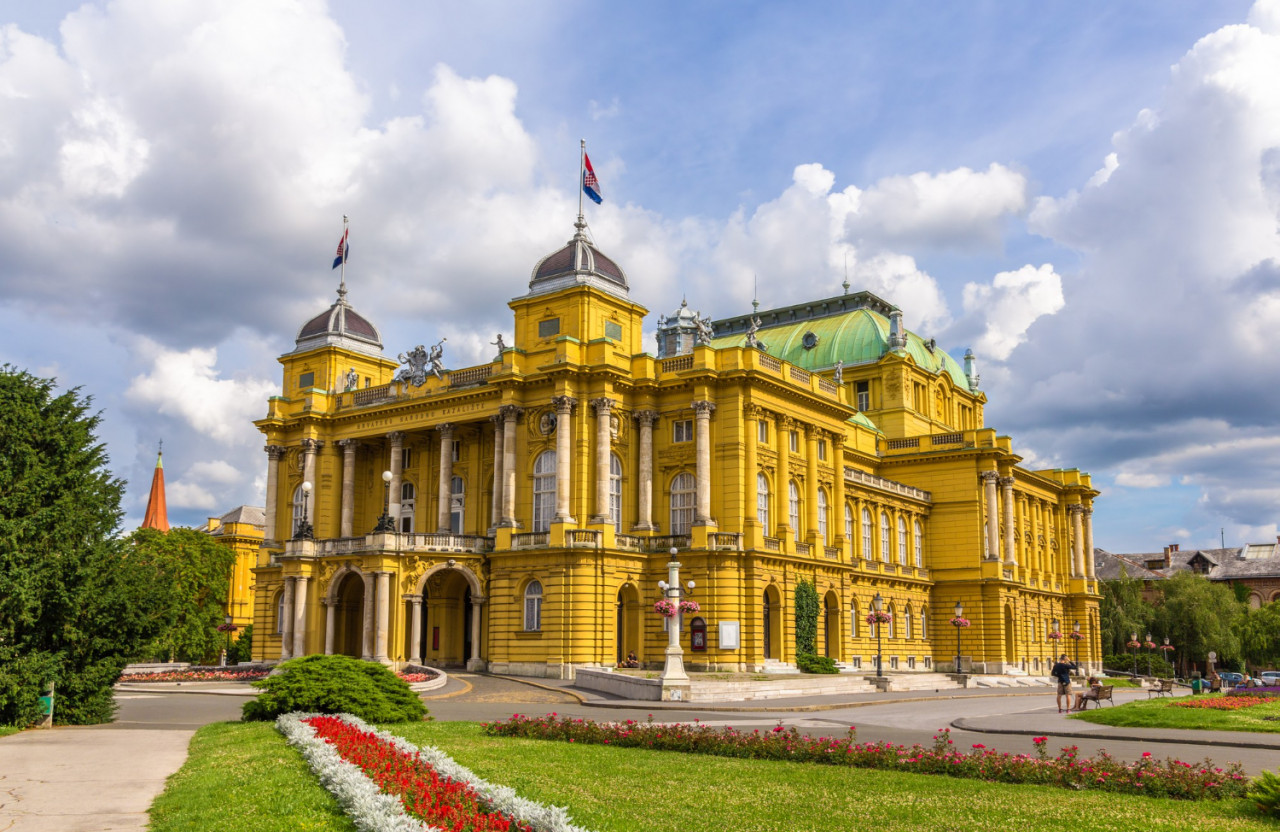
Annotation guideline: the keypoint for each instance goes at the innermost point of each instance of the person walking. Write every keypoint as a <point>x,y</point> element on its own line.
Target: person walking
<point>1061,673</point>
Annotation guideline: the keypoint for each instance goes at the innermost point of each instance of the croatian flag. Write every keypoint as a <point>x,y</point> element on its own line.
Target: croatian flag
<point>590,185</point>
<point>343,250</point>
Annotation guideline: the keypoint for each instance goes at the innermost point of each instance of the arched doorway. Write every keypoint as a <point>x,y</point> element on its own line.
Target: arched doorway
<point>772,621</point>
<point>627,625</point>
<point>446,619</point>
<point>348,623</point>
<point>1010,637</point>
<point>831,626</point>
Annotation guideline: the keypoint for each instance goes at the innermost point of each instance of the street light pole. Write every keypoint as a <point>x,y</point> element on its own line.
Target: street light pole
<point>673,668</point>
<point>303,531</point>
<point>878,602</point>
<point>959,614</point>
<point>1076,631</point>
<point>1133,639</point>
<point>385,524</point>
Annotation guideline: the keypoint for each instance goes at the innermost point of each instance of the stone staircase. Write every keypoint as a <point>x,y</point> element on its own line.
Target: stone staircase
<point>917,681</point>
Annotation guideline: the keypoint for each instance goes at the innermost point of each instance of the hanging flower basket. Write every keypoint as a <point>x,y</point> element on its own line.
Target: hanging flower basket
<point>690,607</point>
<point>665,608</point>
<point>959,622</point>
<point>1055,636</point>
<point>879,617</point>
<point>1150,645</point>
<point>1166,647</point>
<point>1075,636</point>
<point>1135,644</point>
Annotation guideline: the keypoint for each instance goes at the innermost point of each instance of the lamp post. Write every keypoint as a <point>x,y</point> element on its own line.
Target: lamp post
<point>1075,636</point>
<point>959,616</point>
<point>385,524</point>
<point>303,531</point>
<point>227,627</point>
<point>1133,642</point>
<point>1167,649</point>
<point>673,668</point>
<point>878,603</point>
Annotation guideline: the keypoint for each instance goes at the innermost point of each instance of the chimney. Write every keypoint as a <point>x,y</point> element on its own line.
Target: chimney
<point>1168,561</point>
<point>1174,546</point>
<point>897,335</point>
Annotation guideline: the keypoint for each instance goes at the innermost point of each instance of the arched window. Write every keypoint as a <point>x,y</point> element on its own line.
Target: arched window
<point>299,511</point>
<point>888,625</point>
<point>615,492</point>
<point>793,503</point>
<point>457,504</point>
<point>824,516</point>
<point>533,607</point>
<point>848,523</point>
<point>280,614</point>
<point>924,624</point>
<point>918,549</point>
<point>762,502</point>
<point>407,494</point>
<point>906,623</point>
<point>683,489</point>
<point>866,534</point>
<point>902,541</point>
<point>886,553</point>
<point>544,491</point>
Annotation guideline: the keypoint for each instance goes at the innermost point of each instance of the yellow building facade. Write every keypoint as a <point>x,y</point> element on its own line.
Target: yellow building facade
<point>518,515</point>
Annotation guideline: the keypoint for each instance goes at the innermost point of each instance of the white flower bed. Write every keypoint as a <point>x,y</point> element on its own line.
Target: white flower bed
<point>374,811</point>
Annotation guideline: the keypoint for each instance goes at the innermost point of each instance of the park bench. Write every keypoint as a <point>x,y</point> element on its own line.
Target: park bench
<point>1215,686</point>
<point>1162,687</point>
<point>1104,693</point>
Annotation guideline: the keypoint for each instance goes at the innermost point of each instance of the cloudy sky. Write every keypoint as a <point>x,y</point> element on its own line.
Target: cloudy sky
<point>1084,193</point>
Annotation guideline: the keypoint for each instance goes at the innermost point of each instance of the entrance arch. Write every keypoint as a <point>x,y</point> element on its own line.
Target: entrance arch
<point>347,603</point>
<point>772,623</point>
<point>1010,637</point>
<point>831,626</point>
<point>451,623</point>
<point>627,624</point>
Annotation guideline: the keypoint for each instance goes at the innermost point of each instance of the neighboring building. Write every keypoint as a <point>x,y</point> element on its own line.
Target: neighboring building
<point>157,514</point>
<point>1254,565</point>
<point>825,442</point>
<point>242,530</point>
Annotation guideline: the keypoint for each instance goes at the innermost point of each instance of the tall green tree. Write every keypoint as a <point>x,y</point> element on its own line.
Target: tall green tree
<point>806,600</point>
<point>194,574</point>
<point>1259,634</point>
<point>1122,610</point>
<point>73,610</point>
<point>1199,616</point>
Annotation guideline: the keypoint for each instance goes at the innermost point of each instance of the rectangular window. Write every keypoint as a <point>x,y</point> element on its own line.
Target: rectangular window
<point>457,449</point>
<point>794,441</point>
<point>822,449</point>
<point>368,381</point>
<point>549,327</point>
<point>613,330</point>
<point>864,396</point>
<point>307,380</point>
<point>762,431</point>
<point>406,457</point>
<point>682,430</point>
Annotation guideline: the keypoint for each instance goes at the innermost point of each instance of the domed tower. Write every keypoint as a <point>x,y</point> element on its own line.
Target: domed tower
<point>337,351</point>
<point>678,332</point>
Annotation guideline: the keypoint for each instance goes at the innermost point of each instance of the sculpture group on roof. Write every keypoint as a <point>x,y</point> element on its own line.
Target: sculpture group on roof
<point>422,363</point>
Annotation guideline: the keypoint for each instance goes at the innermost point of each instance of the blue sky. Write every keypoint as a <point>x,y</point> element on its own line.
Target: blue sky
<point>1085,193</point>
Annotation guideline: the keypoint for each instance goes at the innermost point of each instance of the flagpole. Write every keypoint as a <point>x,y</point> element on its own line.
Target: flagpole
<point>582,174</point>
<point>342,275</point>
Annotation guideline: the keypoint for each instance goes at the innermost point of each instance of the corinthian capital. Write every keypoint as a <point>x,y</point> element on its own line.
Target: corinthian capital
<point>603,405</point>
<point>564,404</point>
<point>704,409</point>
<point>646,418</point>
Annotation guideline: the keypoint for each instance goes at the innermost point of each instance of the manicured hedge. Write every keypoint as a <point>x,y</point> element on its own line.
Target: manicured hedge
<point>335,684</point>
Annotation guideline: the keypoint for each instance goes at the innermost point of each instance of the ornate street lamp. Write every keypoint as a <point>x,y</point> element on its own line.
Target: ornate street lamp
<point>958,621</point>
<point>227,627</point>
<point>1075,636</point>
<point>1167,649</point>
<point>673,668</point>
<point>303,531</point>
<point>1135,644</point>
<point>878,602</point>
<point>385,524</point>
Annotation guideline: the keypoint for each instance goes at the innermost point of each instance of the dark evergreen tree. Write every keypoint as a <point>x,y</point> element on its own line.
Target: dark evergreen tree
<point>806,618</point>
<point>194,571</point>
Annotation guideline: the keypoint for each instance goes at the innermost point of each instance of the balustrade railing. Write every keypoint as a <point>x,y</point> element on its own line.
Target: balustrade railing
<point>675,365</point>
<point>832,552</point>
<point>772,544</point>
<point>804,548</point>
<point>438,542</point>
<point>855,475</point>
<point>663,543</point>
<point>827,386</point>
<point>373,395</point>
<point>471,375</point>
<point>731,541</point>
<point>529,540</point>
<point>582,538</point>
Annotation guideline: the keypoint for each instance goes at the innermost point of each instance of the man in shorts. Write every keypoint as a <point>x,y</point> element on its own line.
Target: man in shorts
<point>1061,673</point>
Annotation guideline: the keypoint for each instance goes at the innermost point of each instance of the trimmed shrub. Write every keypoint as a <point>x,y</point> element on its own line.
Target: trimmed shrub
<point>809,663</point>
<point>332,685</point>
<point>806,599</point>
<point>1148,664</point>
<point>1265,793</point>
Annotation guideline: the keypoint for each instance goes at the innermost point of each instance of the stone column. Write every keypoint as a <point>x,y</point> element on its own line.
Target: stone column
<point>1077,539</point>
<point>751,467</point>
<point>564,456</point>
<point>782,526</point>
<point>310,447</point>
<point>811,437</point>
<point>993,513</point>
<point>510,413</point>
<point>274,452</point>
<point>366,631</point>
<point>604,445</point>
<point>474,660</point>
<point>347,522</point>
<point>837,511</point>
<point>1088,544</point>
<point>396,441</point>
<point>286,628</point>
<point>702,411</point>
<point>495,511</point>
<point>644,508</point>
<point>1035,510</point>
<point>415,629</point>
<point>384,613</point>
<point>330,613</point>
<point>300,615</point>
<point>446,477</point>
<point>1006,503</point>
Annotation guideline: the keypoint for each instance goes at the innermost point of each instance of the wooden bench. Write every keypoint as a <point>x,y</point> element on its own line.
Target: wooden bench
<point>1104,694</point>
<point>1163,687</point>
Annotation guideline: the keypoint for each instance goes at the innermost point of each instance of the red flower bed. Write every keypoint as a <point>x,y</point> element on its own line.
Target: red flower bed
<point>1172,778</point>
<point>425,794</point>
<point>1223,703</point>
<point>413,678</point>
<point>196,676</point>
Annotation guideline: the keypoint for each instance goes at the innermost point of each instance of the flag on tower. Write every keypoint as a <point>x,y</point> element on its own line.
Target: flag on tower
<point>590,185</point>
<point>344,250</point>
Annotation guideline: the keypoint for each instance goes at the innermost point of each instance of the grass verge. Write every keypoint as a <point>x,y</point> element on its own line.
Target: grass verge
<point>242,776</point>
<point>1163,713</point>
<point>6,730</point>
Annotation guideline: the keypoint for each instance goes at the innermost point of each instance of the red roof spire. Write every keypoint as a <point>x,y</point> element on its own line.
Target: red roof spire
<point>157,516</point>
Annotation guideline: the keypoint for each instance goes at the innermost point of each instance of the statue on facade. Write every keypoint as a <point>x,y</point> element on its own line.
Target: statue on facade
<point>353,379</point>
<point>704,332</point>
<point>752,341</point>
<point>416,371</point>
<point>840,371</point>
<point>500,344</point>
<point>437,359</point>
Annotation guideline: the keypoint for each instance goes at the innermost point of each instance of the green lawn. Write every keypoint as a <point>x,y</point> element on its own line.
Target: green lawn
<point>1161,713</point>
<point>243,776</point>
<point>6,730</point>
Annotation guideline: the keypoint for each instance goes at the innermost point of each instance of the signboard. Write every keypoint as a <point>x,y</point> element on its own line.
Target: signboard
<point>729,635</point>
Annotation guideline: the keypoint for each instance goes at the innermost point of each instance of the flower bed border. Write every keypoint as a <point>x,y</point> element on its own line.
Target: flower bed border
<point>375,811</point>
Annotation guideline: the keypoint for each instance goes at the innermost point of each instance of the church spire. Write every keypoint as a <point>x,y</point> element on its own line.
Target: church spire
<point>157,516</point>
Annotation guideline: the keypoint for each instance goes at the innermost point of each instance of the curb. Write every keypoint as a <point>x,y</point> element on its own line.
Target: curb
<point>159,687</point>
<point>964,724</point>
<point>818,706</point>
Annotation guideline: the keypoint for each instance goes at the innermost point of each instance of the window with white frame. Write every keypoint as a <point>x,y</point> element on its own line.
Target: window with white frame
<point>544,490</point>
<point>682,430</point>
<point>848,523</point>
<point>918,549</point>
<point>762,501</point>
<point>683,489</point>
<point>406,457</point>
<point>866,534</point>
<point>793,441</point>
<point>924,624</point>
<point>822,449</point>
<point>906,623</point>
<point>280,614</point>
<point>824,516</point>
<point>407,495</point>
<point>793,508</point>
<point>902,541</point>
<point>299,509</point>
<point>533,607</point>
<point>457,449</point>
<point>853,626</point>
<point>615,492</point>
<point>886,551</point>
<point>457,504</point>
<point>888,628</point>
<point>762,431</point>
